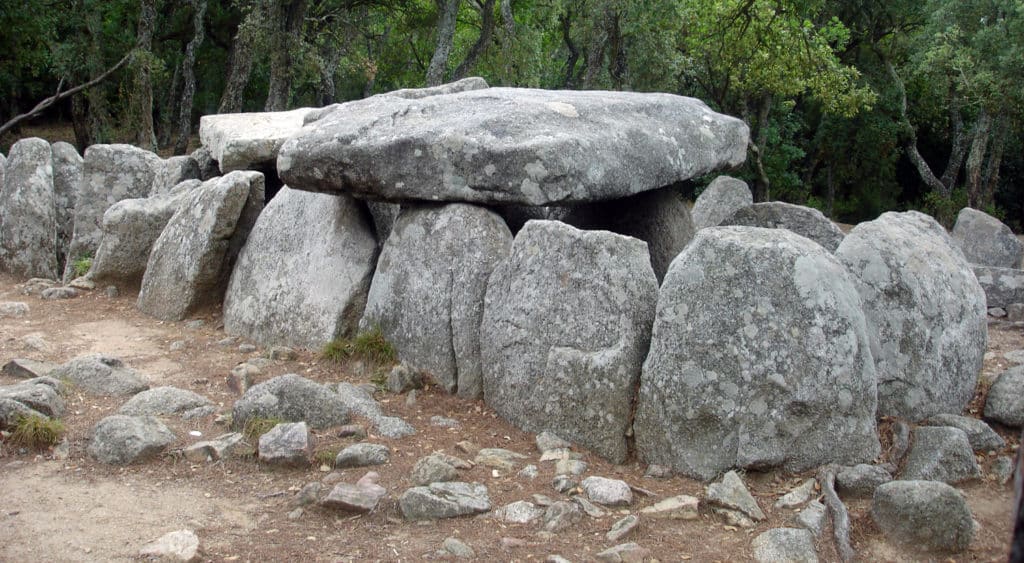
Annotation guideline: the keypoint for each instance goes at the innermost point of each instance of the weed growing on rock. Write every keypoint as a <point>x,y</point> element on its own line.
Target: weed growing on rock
<point>36,432</point>
<point>258,426</point>
<point>370,346</point>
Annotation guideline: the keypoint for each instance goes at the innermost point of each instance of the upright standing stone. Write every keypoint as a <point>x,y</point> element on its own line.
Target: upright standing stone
<point>172,172</point>
<point>925,311</point>
<point>185,264</point>
<point>110,173</point>
<point>759,358</point>
<point>566,325</point>
<point>427,294</point>
<point>804,221</point>
<point>302,276</point>
<point>986,241</point>
<point>28,220</point>
<point>723,197</point>
<point>67,180</point>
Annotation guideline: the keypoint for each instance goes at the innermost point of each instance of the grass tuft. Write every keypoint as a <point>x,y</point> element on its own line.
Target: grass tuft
<point>370,346</point>
<point>258,426</point>
<point>326,456</point>
<point>82,265</point>
<point>36,432</point>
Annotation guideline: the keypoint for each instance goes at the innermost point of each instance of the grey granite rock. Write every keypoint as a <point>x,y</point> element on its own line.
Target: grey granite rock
<point>362,455</point>
<point>248,141</point>
<point>731,493</point>
<point>926,515</point>
<point>986,241</point>
<point>293,398</point>
<point>861,480</point>
<point>804,221</point>
<point>609,492</point>
<point>28,211</point>
<point>794,545</point>
<point>287,444</point>
<point>444,500</point>
<point>1003,286</point>
<point>940,453</point>
<point>164,401</point>
<point>1005,401</point>
<point>68,167</point>
<point>719,200</point>
<point>101,375</point>
<point>121,439</point>
<point>980,435</point>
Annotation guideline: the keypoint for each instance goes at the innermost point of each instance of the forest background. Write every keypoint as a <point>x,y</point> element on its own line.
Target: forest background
<point>856,107</point>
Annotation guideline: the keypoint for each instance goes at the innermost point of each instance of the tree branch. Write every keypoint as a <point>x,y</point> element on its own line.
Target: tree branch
<point>48,102</point>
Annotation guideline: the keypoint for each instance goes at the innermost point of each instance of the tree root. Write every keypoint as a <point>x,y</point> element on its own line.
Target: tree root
<point>837,511</point>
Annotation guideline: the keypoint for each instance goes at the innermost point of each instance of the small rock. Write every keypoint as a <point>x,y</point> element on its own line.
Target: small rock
<point>997,312</point>
<point>588,508</point>
<point>296,514</point>
<point>557,454</point>
<point>22,368</point>
<point>55,293</point>
<point>980,435</point>
<point>543,500</point>
<point>731,493</point>
<point>182,545</point>
<point>433,469</point>
<point>282,353</point>
<point>940,453</point>
<point>227,342</point>
<point>564,483</point>
<point>1014,356</point>
<point>309,494</point>
<point>287,444</point>
<point>556,559</point>
<point>512,543</point>
<point>82,283</point>
<point>547,441</point>
<point>247,348</point>
<point>444,500</point>
<point>13,309</point>
<point>658,471</point>
<point>101,375</point>
<point>812,518</point>
<point>36,341</point>
<point>562,515</point>
<point>402,378</point>
<point>356,431</point>
<point>121,439</point>
<point>528,472</point>
<point>622,528</point>
<point>785,544</point>
<point>241,377</point>
<point>861,479</point>
<point>797,496</point>
<point>364,496</point>
<point>1015,312</point>
<point>444,422</point>
<point>1002,468</point>
<point>928,515</point>
<point>570,467</point>
<point>112,292</point>
<point>519,512</point>
<point>1005,402</point>
<point>733,517</point>
<point>178,345</point>
<point>221,447</point>
<point>498,458</point>
<point>195,324</point>
<point>467,447</point>
<point>682,507</point>
<point>609,492</point>
<point>459,549</point>
<point>362,455</point>
<point>410,399</point>
<point>627,552</point>
<point>161,401</point>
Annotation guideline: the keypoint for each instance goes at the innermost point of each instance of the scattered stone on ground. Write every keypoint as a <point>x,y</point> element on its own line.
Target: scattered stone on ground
<point>293,398</point>
<point>101,375</point>
<point>168,400</point>
<point>120,439</point>
<point>627,552</point>
<point>287,444</point>
<point>1005,402</point>
<point>561,516</point>
<point>926,515</point>
<point>362,455</point>
<point>609,492</point>
<point>794,545</point>
<point>861,480</point>
<point>519,512</point>
<point>813,518</point>
<point>444,500</point>
<point>182,545</point>
<point>797,496</point>
<point>732,493</point>
<point>622,528</point>
<point>363,496</point>
<point>980,435</point>
<point>221,447</point>
<point>940,453</point>
<point>682,507</point>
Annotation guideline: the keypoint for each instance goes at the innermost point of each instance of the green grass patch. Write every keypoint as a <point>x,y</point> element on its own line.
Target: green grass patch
<point>82,265</point>
<point>370,346</point>
<point>36,432</point>
<point>258,426</point>
<point>326,456</point>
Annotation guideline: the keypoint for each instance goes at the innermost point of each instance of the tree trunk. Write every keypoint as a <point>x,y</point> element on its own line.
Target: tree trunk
<point>188,76</point>
<point>239,66</point>
<point>758,145</point>
<point>617,58</point>
<point>287,19</point>
<point>80,122</point>
<point>830,194</point>
<point>959,150</point>
<point>574,53</point>
<point>482,42</point>
<point>595,57</point>
<point>145,134</point>
<point>991,179</point>
<point>169,109</point>
<point>447,12</point>
<point>979,146</point>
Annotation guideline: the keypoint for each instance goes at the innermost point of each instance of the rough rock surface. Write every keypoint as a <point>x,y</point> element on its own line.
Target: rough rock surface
<point>986,241</point>
<point>164,401</point>
<point>464,85</point>
<point>182,545</point>
<point>427,295</point>
<point>723,197</point>
<point>120,439</point>
<point>732,493</point>
<point>925,313</point>
<point>23,368</point>
<point>566,324</point>
<point>288,444</point>
<point>224,446</point>
<point>861,479</point>
<point>184,266</point>
<point>792,545</point>
<point>926,515</point>
<point>361,402</point>
<point>294,398</point>
<point>511,145</point>
<point>940,453</point>
<point>172,172</point>
<point>804,221</point>
<point>41,395</point>
<point>361,455</point>
<point>609,492</point>
<point>661,218</point>
<point>1005,402</point>
<point>28,218</point>
<point>360,497</point>
<point>245,141</point>
<point>681,507</point>
<point>1003,286</point>
<point>444,500</point>
<point>68,167</point>
<point>208,166</point>
<point>980,435</point>
<point>101,375</point>
<point>110,173</point>
<point>130,228</point>
<point>292,283</point>
<point>759,357</point>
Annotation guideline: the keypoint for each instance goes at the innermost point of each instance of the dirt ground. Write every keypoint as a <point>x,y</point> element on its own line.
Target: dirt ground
<point>74,509</point>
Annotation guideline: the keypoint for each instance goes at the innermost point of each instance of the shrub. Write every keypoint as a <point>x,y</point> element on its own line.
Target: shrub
<point>82,265</point>
<point>36,432</point>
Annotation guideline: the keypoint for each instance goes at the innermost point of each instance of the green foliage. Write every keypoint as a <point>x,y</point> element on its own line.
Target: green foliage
<point>369,345</point>
<point>257,426</point>
<point>82,265</point>
<point>944,209</point>
<point>36,432</point>
<point>326,456</point>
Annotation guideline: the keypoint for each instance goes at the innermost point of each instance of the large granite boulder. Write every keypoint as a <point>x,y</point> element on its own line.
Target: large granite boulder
<point>511,145</point>
<point>130,228</point>
<point>68,167</point>
<point>427,294</point>
<point>925,311</point>
<point>986,241</point>
<point>28,220</point>
<point>804,221</point>
<point>184,268</point>
<point>248,141</point>
<point>1002,286</point>
<point>291,398</point>
<point>759,358</point>
<point>110,173</point>
<point>302,276</point>
<point>567,320</point>
<point>661,218</point>
<point>723,197</point>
